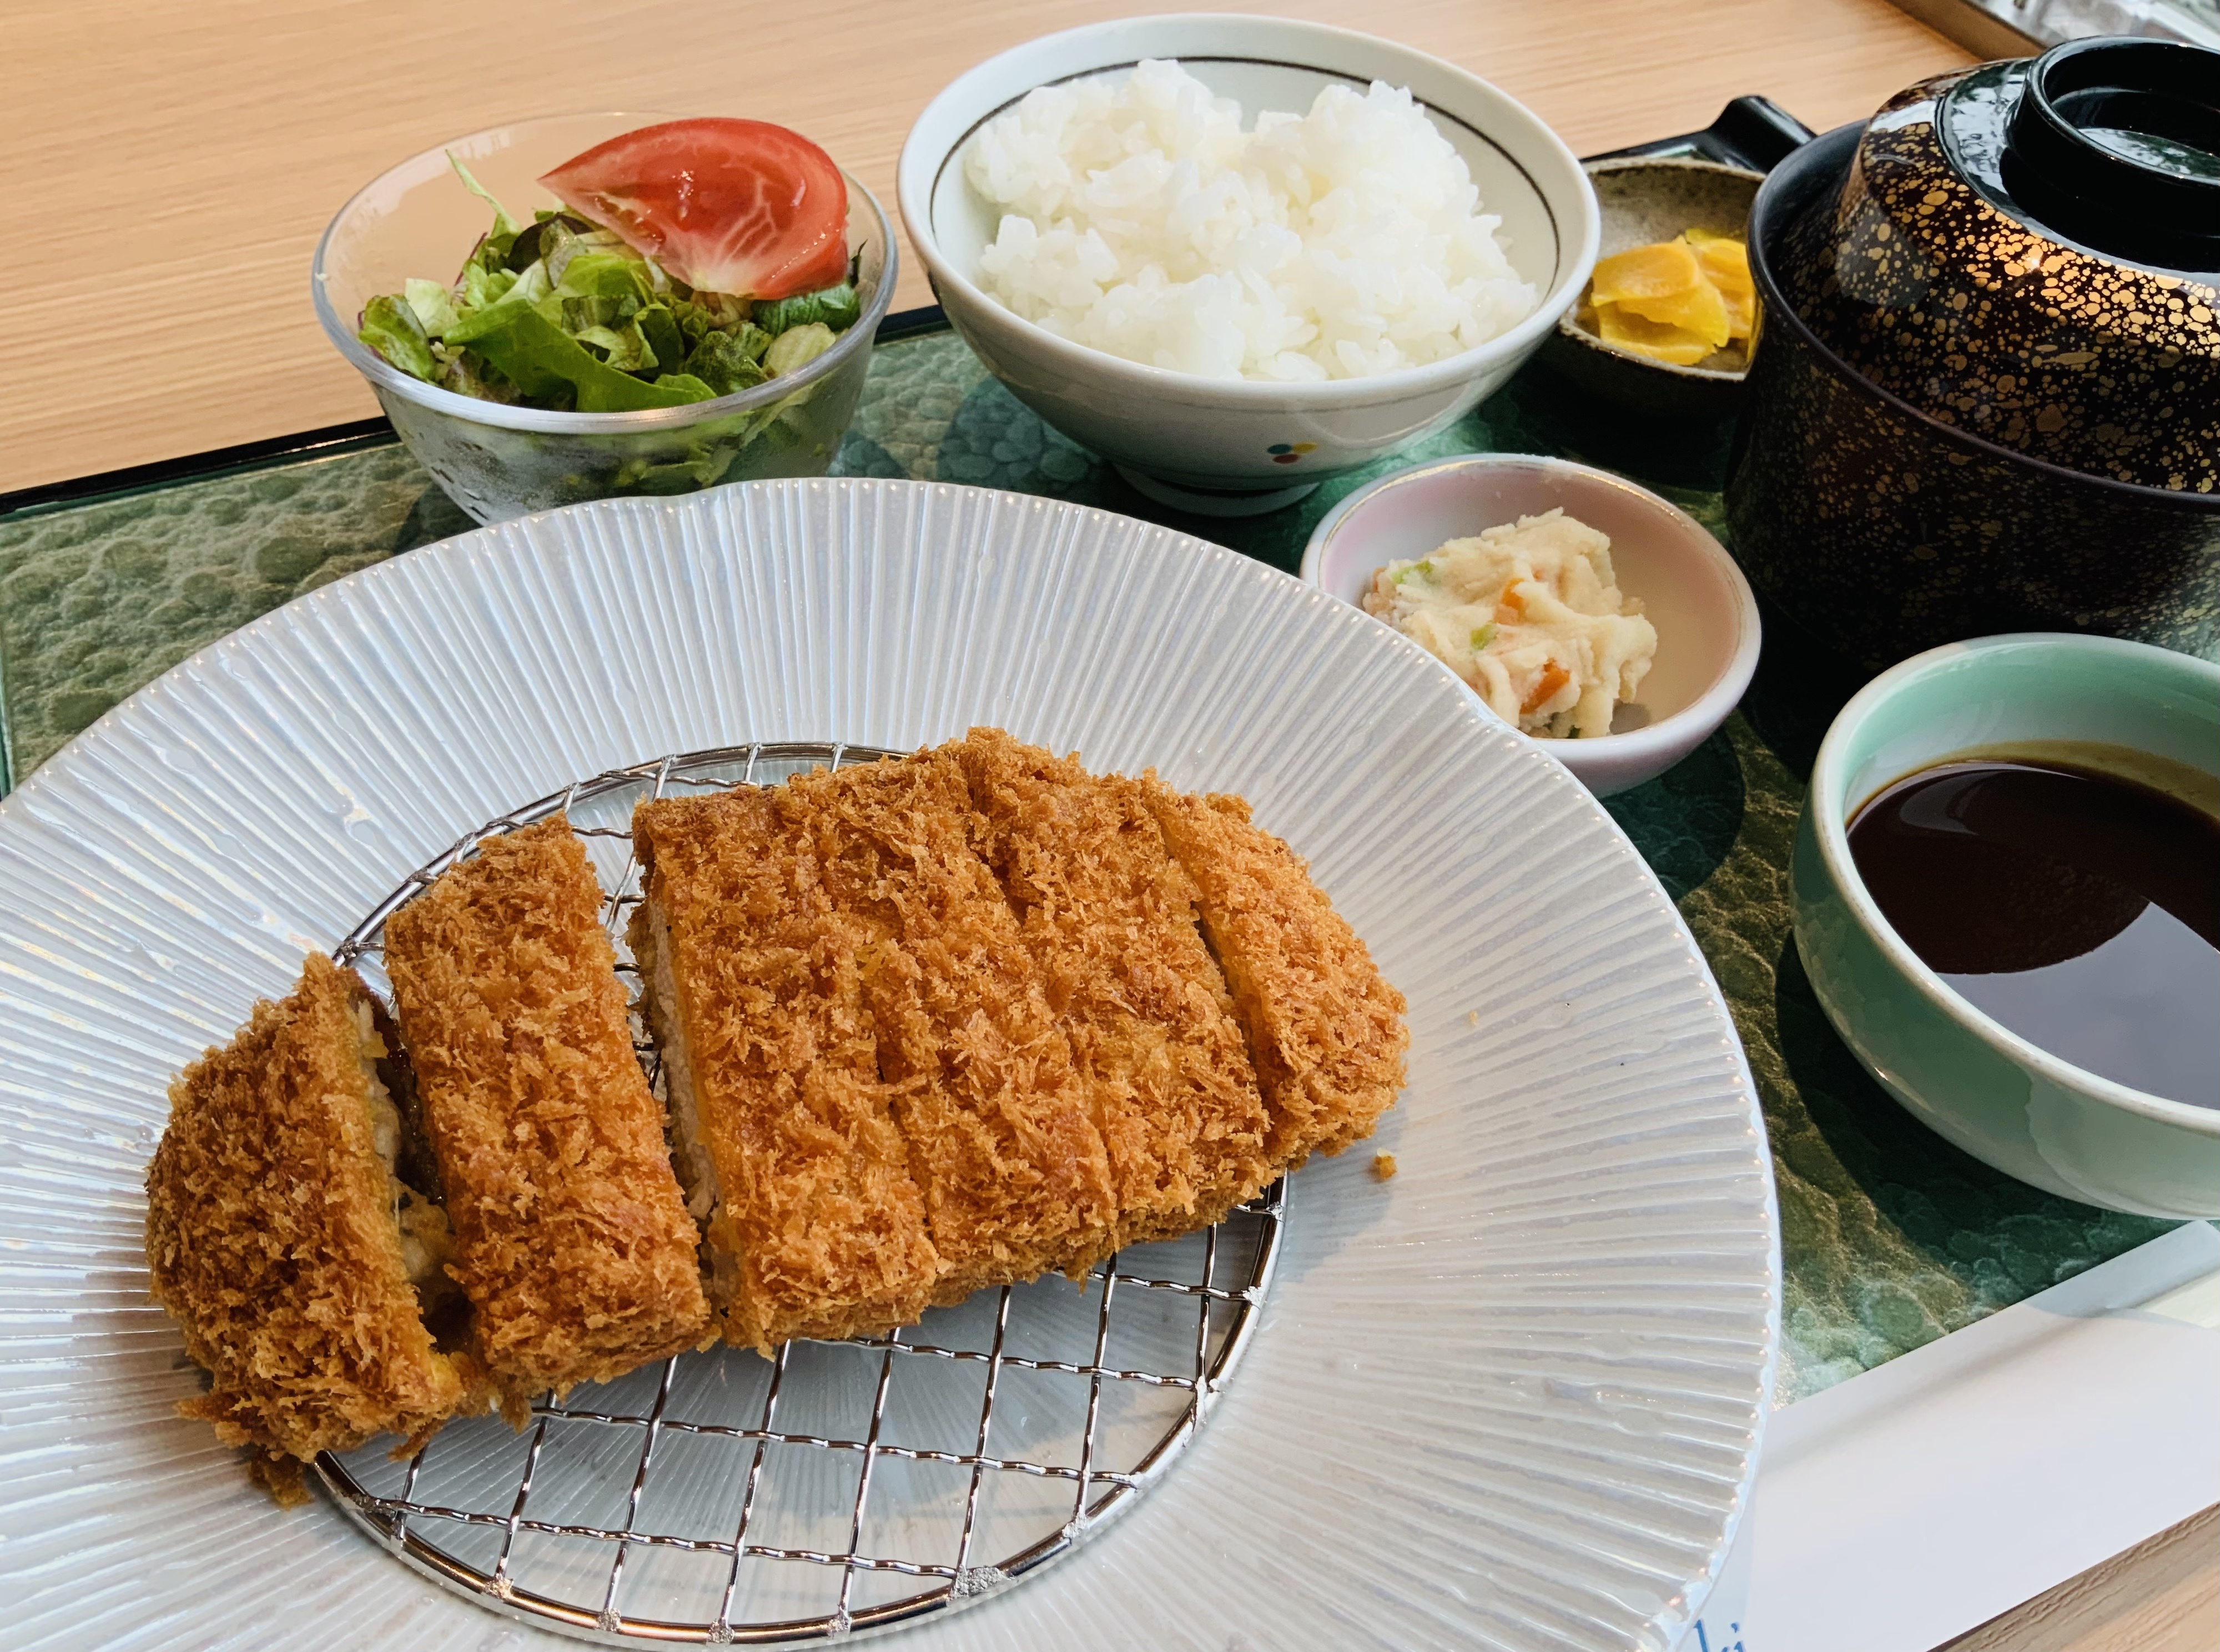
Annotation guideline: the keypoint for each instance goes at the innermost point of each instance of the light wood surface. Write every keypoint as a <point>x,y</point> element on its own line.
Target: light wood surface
<point>169,168</point>
<point>2161,1595</point>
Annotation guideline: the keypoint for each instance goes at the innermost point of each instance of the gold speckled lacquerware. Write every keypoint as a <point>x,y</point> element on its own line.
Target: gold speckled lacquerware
<point>1985,322</point>
<point>1885,531</point>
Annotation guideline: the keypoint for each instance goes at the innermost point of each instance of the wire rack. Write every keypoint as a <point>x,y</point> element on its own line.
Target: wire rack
<point>839,1488</point>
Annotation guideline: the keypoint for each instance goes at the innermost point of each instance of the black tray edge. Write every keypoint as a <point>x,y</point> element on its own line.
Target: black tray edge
<point>330,441</point>
<point>1751,132</point>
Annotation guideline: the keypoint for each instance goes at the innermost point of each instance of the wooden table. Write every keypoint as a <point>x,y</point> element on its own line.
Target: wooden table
<point>170,168</point>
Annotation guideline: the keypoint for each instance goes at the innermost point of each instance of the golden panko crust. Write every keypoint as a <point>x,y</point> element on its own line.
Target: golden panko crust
<point>1111,917</point>
<point>819,1229</point>
<point>271,1240</point>
<point>571,1240</point>
<point>930,1025</point>
<point>1015,1179</point>
<point>1325,1030</point>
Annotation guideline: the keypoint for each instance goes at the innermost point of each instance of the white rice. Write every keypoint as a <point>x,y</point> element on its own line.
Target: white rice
<point>1139,219</point>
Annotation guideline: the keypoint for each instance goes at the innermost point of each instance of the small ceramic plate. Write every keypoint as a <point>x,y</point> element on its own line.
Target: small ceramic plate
<point>1707,626</point>
<point>1644,200</point>
<point>1511,1397</point>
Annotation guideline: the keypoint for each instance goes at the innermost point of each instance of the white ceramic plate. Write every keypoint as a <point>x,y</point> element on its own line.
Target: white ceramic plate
<point>1510,1399</point>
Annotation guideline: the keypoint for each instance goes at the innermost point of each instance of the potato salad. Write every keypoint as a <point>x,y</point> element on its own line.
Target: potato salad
<point>1529,613</point>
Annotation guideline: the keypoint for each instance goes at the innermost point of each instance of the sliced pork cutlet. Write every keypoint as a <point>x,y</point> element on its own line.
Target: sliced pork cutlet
<point>281,1240</point>
<point>571,1238</point>
<point>1325,1032</point>
<point>1111,917</point>
<point>789,1154</point>
<point>1015,1179</point>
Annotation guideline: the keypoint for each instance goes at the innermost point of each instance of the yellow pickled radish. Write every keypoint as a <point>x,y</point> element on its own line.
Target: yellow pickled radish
<point>1726,264</point>
<point>1646,272</point>
<point>1697,308</point>
<point>1656,339</point>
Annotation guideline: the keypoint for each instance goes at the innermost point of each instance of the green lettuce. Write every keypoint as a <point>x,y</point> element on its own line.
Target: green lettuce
<point>492,251</point>
<point>532,284</point>
<point>602,275</point>
<point>660,328</point>
<point>704,469</point>
<point>797,347</point>
<point>481,287</point>
<point>837,308</point>
<point>433,304</point>
<point>727,363</point>
<point>467,373</point>
<point>541,359</point>
<point>623,348</point>
<point>685,387</point>
<point>391,327</point>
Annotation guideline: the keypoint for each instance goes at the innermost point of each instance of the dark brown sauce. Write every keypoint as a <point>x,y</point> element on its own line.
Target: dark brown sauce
<point>2080,909</point>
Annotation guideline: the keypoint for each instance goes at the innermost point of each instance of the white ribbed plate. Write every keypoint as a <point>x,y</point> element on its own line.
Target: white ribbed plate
<point>1510,1399</point>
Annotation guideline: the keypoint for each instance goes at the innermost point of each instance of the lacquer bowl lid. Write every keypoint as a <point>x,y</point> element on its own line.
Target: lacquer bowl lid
<point>2030,251</point>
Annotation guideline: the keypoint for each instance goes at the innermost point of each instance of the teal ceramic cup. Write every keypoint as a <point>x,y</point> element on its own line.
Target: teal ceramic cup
<point>2004,1100</point>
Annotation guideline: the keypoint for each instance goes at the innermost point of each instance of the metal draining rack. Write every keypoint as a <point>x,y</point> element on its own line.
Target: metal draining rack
<point>840,1488</point>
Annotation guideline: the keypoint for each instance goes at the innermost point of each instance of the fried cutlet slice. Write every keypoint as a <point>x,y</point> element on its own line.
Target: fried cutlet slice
<point>1111,917</point>
<point>276,1236</point>
<point>1015,1179</point>
<point>786,1146</point>
<point>571,1237</point>
<point>1325,1030</point>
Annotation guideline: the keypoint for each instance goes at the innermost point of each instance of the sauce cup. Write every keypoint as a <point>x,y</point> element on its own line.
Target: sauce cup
<point>1972,1081</point>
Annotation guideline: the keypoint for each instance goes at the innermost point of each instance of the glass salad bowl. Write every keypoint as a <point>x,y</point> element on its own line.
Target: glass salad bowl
<point>497,461</point>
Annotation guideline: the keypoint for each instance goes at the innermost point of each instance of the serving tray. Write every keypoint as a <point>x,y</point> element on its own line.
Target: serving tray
<point>1892,1238</point>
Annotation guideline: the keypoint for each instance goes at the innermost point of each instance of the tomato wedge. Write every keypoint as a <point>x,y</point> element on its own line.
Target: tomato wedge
<point>738,207</point>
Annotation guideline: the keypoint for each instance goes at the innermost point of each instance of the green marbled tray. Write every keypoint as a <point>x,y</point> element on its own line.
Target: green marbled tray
<point>1891,1236</point>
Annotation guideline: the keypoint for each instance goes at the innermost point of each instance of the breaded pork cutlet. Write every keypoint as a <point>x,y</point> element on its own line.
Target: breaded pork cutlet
<point>1014,1177</point>
<point>1111,917</point>
<point>786,1147</point>
<point>571,1238</point>
<point>275,1236</point>
<point>1324,1030</point>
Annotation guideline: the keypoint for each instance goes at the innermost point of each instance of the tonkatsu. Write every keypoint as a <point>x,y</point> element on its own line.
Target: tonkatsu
<point>283,1240</point>
<point>1324,1030</point>
<point>784,1137</point>
<point>1001,1142</point>
<point>572,1241</point>
<point>1111,917</point>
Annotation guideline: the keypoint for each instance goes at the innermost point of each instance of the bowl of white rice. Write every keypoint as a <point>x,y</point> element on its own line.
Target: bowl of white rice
<point>1237,255</point>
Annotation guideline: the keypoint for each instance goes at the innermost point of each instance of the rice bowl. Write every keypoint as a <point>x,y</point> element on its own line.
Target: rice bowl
<point>1229,445</point>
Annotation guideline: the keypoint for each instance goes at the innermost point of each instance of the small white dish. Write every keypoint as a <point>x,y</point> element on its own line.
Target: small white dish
<point>1240,446</point>
<point>1706,618</point>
